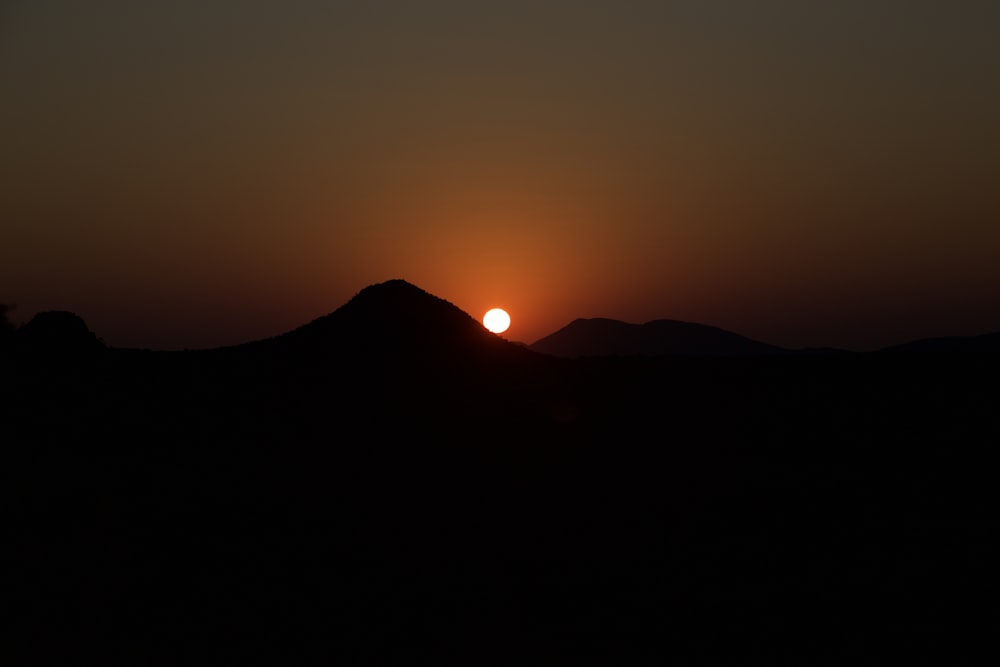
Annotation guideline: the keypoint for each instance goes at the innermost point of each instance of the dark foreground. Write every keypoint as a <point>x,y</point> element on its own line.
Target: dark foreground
<point>380,509</point>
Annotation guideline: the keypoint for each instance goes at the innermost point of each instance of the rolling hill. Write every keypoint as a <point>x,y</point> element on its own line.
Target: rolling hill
<point>608,337</point>
<point>982,345</point>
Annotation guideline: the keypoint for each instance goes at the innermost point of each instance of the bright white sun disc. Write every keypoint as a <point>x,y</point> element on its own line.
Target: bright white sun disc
<point>496,320</point>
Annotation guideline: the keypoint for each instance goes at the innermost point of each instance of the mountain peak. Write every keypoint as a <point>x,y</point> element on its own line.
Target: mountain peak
<point>58,333</point>
<point>399,305</point>
<point>396,286</point>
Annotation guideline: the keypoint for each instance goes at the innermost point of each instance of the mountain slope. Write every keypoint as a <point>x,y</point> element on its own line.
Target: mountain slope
<point>397,354</point>
<point>393,318</point>
<point>390,484</point>
<point>607,337</point>
<point>950,345</point>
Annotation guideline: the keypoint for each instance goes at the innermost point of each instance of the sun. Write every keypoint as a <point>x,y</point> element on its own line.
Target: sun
<point>496,320</point>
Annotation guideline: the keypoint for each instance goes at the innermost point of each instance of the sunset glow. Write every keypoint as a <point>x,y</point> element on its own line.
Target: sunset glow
<point>189,178</point>
<point>262,394</point>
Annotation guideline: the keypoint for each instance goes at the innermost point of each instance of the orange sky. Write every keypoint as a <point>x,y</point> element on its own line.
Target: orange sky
<point>184,176</point>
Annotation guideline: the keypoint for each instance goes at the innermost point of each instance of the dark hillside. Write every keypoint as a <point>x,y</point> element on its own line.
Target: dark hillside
<point>984,345</point>
<point>358,492</point>
<point>605,337</point>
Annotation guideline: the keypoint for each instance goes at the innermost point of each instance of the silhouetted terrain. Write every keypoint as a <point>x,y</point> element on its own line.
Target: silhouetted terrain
<point>605,337</point>
<point>360,492</point>
<point>56,335</point>
<point>984,345</point>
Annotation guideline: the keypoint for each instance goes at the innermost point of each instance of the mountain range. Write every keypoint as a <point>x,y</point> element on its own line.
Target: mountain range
<point>374,321</point>
<point>359,492</point>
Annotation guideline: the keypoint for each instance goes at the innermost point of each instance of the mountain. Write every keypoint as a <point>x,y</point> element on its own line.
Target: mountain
<point>985,344</point>
<point>395,358</point>
<point>607,337</point>
<point>391,484</point>
<point>58,332</point>
<point>395,338</point>
<point>397,319</point>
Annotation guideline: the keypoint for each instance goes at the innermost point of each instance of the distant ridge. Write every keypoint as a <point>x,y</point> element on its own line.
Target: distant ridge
<point>608,337</point>
<point>57,335</point>
<point>952,345</point>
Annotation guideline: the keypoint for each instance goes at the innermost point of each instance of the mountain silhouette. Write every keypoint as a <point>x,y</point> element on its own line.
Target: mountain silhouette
<point>392,484</point>
<point>57,335</point>
<point>399,355</point>
<point>396,318</point>
<point>985,344</point>
<point>394,330</point>
<point>608,337</point>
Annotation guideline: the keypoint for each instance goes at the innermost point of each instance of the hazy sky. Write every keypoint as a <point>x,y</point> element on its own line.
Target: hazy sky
<point>193,174</point>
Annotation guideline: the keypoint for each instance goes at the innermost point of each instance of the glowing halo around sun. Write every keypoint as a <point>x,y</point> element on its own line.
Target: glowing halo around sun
<point>496,320</point>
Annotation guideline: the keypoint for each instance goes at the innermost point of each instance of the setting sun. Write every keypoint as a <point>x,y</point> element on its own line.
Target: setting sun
<point>496,320</point>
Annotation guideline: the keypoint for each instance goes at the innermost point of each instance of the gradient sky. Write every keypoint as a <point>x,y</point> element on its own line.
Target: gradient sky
<point>194,174</point>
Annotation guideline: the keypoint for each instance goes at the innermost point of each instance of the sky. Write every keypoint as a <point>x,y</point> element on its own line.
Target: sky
<point>197,174</point>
